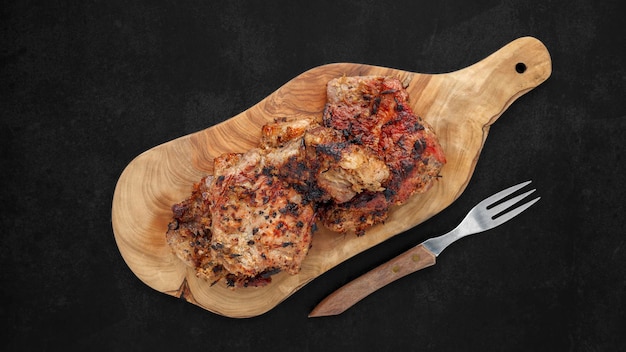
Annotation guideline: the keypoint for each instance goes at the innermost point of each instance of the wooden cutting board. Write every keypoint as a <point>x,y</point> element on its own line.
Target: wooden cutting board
<point>460,106</point>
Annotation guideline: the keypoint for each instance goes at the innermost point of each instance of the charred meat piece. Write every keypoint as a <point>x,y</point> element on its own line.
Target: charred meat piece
<point>374,113</point>
<point>244,223</point>
<point>282,131</point>
<point>189,232</point>
<point>263,210</point>
<point>255,216</point>
<point>261,222</point>
<point>343,169</point>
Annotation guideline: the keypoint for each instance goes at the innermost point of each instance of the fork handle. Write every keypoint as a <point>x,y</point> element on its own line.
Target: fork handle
<point>414,259</point>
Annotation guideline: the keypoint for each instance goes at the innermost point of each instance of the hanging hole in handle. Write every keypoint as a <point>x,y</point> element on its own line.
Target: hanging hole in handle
<point>520,67</point>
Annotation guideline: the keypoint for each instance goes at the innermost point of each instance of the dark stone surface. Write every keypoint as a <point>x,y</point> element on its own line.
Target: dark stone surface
<point>88,85</point>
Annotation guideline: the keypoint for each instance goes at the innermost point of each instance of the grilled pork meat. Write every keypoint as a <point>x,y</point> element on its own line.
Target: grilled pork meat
<point>282,131</point>
<point>261,222</point>
<point>262,225</point>
<point>188,231</point>
<point>374,113</point>
<point>256,214</point>
<point>342,169</point>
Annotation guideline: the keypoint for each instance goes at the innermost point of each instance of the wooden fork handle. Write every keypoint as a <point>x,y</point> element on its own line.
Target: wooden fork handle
<point>414,259</point>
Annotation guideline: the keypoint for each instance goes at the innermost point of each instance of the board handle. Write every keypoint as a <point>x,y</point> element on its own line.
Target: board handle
<point>505,75</point>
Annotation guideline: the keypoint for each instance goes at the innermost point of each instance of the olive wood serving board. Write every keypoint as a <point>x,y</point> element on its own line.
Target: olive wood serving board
<point>459,105</point>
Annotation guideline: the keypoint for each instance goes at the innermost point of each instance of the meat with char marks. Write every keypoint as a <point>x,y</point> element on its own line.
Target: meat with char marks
<point>256,215</point>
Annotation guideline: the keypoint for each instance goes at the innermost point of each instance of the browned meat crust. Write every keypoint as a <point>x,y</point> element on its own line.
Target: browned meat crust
<point>374,113</point>
<point>256,214</point>
<point>262,226</point>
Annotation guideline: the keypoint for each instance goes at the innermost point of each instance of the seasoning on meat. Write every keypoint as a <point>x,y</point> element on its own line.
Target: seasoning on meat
<point>374,113</point>
<point>256,215</point>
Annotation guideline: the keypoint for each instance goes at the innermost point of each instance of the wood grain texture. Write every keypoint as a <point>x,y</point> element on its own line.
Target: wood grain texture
<point>346,296</point>
<point>460,106</point>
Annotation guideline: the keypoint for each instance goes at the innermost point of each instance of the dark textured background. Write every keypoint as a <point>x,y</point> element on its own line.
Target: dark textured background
<point>88,85</point>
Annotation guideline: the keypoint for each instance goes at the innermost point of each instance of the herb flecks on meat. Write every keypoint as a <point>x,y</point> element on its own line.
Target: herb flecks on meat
<point>256,215</point>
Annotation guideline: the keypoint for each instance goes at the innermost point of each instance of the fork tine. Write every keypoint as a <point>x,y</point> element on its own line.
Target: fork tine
<point>514,212</point>
<point>509,203</point>
<point>505,192</point>
<point>480,218</point>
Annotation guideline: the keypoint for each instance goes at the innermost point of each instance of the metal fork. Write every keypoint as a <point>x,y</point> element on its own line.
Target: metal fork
<point>486,215</point>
